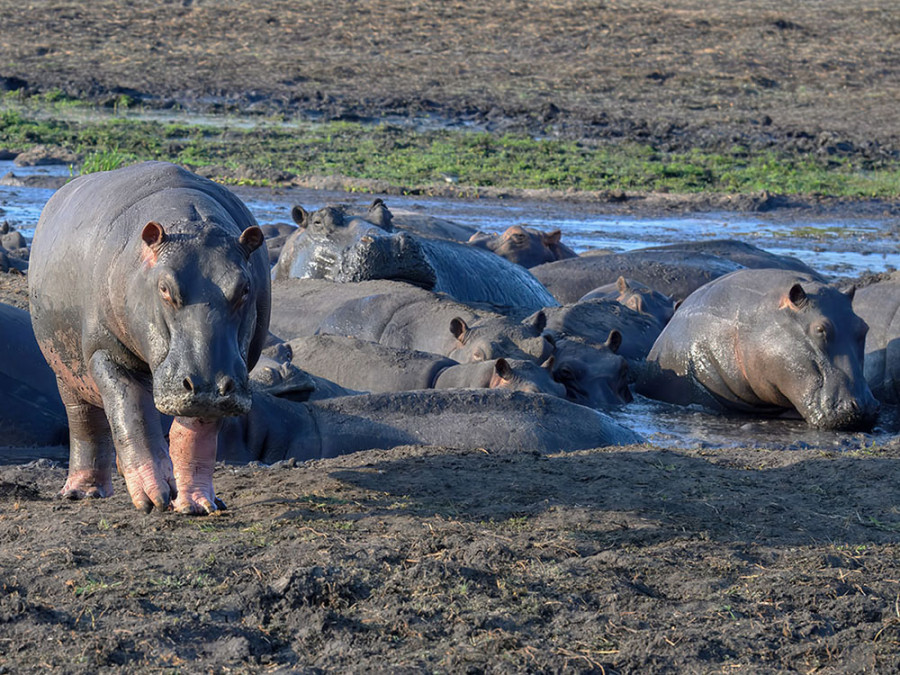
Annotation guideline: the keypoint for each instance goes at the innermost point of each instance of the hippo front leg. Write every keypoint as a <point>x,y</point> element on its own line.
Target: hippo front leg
<point>141,451</point>
<point>192,446</point>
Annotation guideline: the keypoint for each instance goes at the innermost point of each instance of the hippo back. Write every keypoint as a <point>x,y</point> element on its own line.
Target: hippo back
<point>879,306</point>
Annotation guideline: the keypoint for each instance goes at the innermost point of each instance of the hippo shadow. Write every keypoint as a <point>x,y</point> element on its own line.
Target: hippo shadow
<point>641,495</point>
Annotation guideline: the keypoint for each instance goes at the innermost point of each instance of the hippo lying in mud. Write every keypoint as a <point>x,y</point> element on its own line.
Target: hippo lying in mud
<point>676,270</point>
<point>635,296</point>
<point>765,341</point>
<point>149,290</point>
<point>879,306</point>
<point>331,245</point>
<point>367,366</point>
<point>524,246</point>
<point>494,419</point>
<point>31,412</point>
<point>399,315</point>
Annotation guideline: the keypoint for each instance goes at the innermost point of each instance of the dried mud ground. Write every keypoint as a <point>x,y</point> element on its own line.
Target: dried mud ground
<point>629,560</point>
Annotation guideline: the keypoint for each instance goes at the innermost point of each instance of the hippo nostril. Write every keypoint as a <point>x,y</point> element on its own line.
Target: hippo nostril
<point>226,386</point>
<point>188,385</point>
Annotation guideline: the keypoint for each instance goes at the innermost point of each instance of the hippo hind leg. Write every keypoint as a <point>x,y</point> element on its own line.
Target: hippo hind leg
<point>91,450</point>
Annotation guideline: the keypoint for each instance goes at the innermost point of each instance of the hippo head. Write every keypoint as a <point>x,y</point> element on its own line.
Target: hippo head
<point>637,296</point>
<point>500,338</point>
<point>525,246</point>
<point>527,376</point>
<point>200,304</point>
<point>808,355</point>
<point>330,245</point>
<point>593,375</point>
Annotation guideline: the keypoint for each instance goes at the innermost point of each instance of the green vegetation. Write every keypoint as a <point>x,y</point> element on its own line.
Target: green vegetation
<point>273,151</point>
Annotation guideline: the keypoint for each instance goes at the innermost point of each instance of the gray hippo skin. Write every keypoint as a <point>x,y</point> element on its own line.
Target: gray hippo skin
<point>879,306</point>
<point>368,366</point>
<point>493,419</point>
<point>399,315</point>
<point>149,292</point>
<point>334,246</point>
<point>636,296</point>
<point>766,341</point>
<point>31,412</point>
<point>592,320</point>
<point>742,253</point>
<point>674,273</point>
<point>524,246</point>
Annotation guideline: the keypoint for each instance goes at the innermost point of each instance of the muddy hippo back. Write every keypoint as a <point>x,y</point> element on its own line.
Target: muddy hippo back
<point>149,292</point>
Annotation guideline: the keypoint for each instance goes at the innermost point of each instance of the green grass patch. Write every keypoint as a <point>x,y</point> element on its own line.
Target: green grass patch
<point>410,159</point>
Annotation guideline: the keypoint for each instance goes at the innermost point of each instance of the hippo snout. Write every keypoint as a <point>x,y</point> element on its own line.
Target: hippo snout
<point>848,414</point>
<point>194,396</point>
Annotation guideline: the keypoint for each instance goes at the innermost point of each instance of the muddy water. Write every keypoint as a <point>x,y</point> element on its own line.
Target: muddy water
<point>840,249</point>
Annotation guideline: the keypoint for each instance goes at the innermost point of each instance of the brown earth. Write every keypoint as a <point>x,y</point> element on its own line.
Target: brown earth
<point>639,559</point>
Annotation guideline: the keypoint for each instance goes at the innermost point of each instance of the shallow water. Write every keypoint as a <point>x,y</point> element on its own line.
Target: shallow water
<point>840,249</point>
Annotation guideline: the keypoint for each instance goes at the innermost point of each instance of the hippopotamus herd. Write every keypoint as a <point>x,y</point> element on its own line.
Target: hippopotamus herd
<point>157,310</point>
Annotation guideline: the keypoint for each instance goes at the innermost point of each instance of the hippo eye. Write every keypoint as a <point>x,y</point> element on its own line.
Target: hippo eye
<point>242,294</point>
<point>478,355</point>
<point>822,330</point>
<point>166,292</point>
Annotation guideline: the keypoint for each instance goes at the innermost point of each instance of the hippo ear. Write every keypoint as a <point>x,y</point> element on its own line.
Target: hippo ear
<point>850,292</point>
<point>153,236</point>
<point>251,239</point>
<point>300,216</point>
<point>537,321</point>
<point>503,369</point>
<point>796,297</point>
<point>552,238</point>
<point>459,328</point>
<point>549,363</point>
<point>621,284</point>
<point>614,341</point>
<point>635,302</point>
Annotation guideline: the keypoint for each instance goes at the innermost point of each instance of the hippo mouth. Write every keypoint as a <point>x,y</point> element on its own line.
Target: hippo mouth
<point>204,405</point>
<point>849,416</point>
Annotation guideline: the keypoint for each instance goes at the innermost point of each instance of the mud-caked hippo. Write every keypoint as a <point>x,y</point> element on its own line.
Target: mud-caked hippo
<point>149,290</point>
<point>368,366</point>
<point>879,306</point>
<point>525,246</point>
<point>765,341</point>
<point>332,245</point>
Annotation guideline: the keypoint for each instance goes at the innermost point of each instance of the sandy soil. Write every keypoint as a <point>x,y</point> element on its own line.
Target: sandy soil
<point>413,559</point>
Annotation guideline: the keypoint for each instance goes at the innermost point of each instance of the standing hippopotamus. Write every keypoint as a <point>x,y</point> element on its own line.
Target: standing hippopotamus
<point>878,304</point>
<point>334,246</point>
<point>765,341</point>
<point>149,291</point>
<point>524,246</point>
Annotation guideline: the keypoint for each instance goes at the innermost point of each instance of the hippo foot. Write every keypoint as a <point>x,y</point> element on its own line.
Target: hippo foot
<point>150,485</point>
<point>197,501</point>
<point>86,485</point>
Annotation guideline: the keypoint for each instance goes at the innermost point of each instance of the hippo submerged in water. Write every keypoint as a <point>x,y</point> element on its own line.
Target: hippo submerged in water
<point>149,290</point>
<point>766,341</point>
